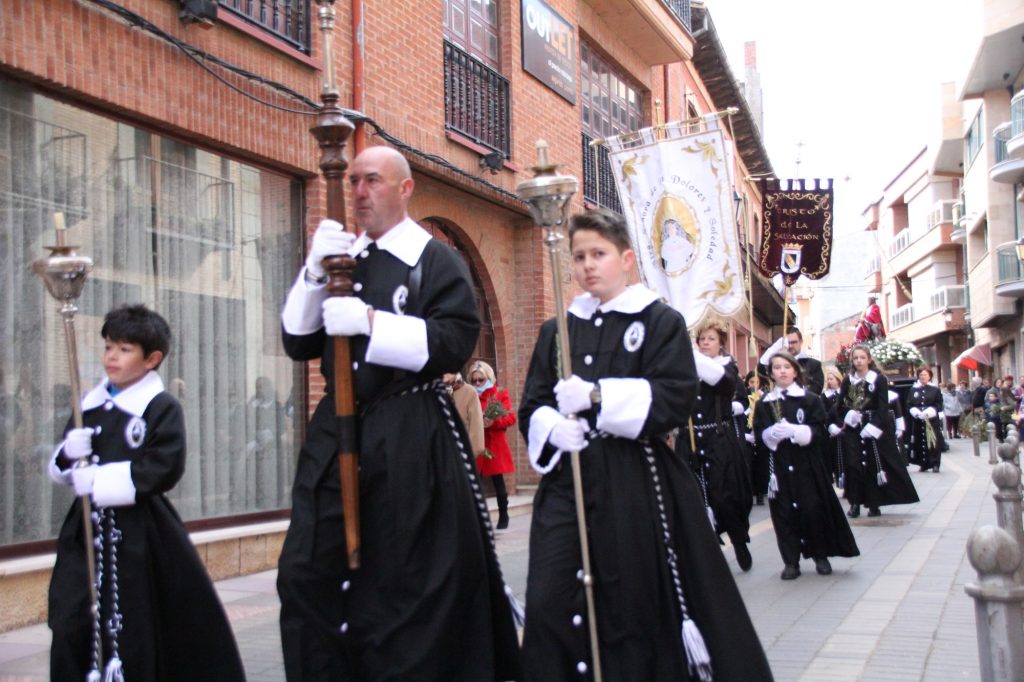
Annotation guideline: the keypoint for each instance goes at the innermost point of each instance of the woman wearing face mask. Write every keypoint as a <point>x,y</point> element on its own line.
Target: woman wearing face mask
<point>875,472</point>
<point>498,416</point>
<point>790,422</point>
<point>713,445</point>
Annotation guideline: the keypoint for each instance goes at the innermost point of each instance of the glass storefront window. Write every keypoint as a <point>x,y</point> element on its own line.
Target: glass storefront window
<point>210,243</point>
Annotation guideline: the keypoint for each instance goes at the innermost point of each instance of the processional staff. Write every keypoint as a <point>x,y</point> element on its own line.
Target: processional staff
<point>332,132</point>
<point>548,195</point>
<point>64,273</point>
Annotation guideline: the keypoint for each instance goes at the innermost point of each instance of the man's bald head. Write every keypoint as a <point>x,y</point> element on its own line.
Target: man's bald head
<point>382,185</point>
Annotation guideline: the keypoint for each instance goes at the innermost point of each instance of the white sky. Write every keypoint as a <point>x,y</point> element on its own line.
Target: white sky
<point>857,83</point>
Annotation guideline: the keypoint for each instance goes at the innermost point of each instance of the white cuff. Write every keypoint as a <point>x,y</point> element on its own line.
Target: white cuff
<point>772,350</point>
<point>625,404</point>
<point>872,430</point>
<point>398,341</point>
<point>113,485</point>
<point>834,430</point>
<point>801,434</point>
<point>59,476</point>
<point>769,440</point>
<point>709,371</point>
<point>542,421</point>
<point>901,425</point>
<point>737,408</point>
<point>302,313</point>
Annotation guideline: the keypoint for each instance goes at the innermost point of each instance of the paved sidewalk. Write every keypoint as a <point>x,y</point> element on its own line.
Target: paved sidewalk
<point>897,612</point>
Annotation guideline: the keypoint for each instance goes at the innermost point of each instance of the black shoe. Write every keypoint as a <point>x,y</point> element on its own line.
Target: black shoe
<point>822,566</point>
<point>790,572</point>
<point>759,500</point>
<point>743,557</point>
<point>874,511</point>
<point>502,519</point>
<point>854,511</point>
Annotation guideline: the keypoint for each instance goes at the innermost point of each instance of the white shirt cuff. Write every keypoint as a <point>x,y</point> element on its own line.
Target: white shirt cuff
<point>398,341</point>
<point>113,485</point>
<point>542,421</point>
<point>59,476</point>
<point>900,424</point>
<point>303,309</point>
<point>709,371</point>
<point>872,430</point>
<point>625,404</point>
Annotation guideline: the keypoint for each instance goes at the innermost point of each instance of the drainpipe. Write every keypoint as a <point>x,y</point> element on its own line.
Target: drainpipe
<point>664,78</point>
<point>359,136</point>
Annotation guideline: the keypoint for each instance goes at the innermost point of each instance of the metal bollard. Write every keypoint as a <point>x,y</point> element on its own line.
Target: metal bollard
<point>991,428</point>
<point>997,554</point>
<point>976,437</point>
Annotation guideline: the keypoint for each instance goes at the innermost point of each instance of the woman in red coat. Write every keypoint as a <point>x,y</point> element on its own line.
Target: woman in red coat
<point>498,416</point>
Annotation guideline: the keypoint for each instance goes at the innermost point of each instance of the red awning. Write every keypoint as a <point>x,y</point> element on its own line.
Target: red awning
<point>974,356</point>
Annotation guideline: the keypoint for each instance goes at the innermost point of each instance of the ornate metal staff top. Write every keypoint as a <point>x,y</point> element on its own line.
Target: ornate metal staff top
<point>548,195</point>
<point>64,273</point>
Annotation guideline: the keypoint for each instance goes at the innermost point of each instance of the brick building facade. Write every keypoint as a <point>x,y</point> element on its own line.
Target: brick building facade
<point>185,94</point>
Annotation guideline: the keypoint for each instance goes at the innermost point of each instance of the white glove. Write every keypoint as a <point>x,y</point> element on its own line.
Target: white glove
<point>573,395</point>
<point>782,431</point>
<point>781,343</point>
<point>330,239</point>
<point>78,443</point>
<point>83,478</point>
<point>568,435</point>
<point>930,413</point>
<point>737,408</point>
<point>749,437</point>
<point>834,430</point>
<point>346,316</point>
<point>852,418</point>
<point>708,370</point>
<point>915,412</point>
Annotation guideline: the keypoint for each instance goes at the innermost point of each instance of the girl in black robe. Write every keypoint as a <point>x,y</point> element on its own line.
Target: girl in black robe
<point>808,519</point>
<point>714,446</point>
<point>874,471</point>
<point>662,588</point>
<point>924,405</point>
<point>830,399</point>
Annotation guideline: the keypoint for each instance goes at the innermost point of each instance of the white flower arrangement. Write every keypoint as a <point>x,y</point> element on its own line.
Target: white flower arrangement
<point>892,351</point>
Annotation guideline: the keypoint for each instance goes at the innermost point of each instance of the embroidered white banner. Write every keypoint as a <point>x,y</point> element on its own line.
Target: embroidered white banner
<point>677,198</point>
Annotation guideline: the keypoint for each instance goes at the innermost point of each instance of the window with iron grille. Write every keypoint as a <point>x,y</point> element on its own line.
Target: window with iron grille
<point>610,105</point>
<point>287,20</point>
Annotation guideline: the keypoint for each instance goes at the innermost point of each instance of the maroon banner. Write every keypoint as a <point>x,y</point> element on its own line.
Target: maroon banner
<point>796,229</point>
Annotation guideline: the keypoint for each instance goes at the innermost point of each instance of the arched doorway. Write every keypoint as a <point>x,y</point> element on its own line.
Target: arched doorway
<point>485,346</point>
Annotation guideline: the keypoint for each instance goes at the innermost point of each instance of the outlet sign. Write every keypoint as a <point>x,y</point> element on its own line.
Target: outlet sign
<point>549,48</point>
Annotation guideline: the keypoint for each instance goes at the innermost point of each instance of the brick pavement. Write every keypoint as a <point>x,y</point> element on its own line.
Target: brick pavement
<point>897,612</point>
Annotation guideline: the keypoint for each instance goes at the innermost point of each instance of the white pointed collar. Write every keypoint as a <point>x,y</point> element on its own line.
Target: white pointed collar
<point>918,384</point>
<point>830,392</point>
<point>133,400</point>
<point>795,390</point>
<point>405,241</point>
<point>870,377</point>
<point>635,298</point>
<point>802,356</point>
<point>893,396</point>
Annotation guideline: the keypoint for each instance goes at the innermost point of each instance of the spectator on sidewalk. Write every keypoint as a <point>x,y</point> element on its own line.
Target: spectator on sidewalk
<point>951,409</point>
<point>468,406</point>
<point>964,396</point>
<point>496,407</point>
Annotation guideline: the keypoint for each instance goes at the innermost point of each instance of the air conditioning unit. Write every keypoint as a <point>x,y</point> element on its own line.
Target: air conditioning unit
<point>942,213</point>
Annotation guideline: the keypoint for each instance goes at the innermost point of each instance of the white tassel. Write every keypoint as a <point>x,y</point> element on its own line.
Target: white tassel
<point>773,486</point>
<point>882,478</point>
<point>711,517</point>
<point>697,656</point>
<point>114,671</point>
<point>842,481</point>
<point>93,676</point>
<point>518,613</point>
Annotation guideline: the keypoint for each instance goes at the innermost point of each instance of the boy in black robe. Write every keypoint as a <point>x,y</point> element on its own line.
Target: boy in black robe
<point>662,589</point>
<point>159,616</point>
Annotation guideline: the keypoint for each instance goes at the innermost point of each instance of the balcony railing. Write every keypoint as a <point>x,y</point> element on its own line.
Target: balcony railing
<point>1017,114</point>
<point>874,265</point>
<point>1009,266</point>
<point>287,20</point>
<point>1000,136</point>
<point>902,316</point>
<point>476,100</point>
<point>947,297</point>
<point>598,180</point>
<point>680,8</point>
<point>901,242</point>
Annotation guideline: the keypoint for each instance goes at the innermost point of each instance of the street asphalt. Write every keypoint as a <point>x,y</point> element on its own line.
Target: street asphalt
<point>897,612</point>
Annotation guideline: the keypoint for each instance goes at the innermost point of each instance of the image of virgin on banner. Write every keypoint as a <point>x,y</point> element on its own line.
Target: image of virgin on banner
<point>796,239</point>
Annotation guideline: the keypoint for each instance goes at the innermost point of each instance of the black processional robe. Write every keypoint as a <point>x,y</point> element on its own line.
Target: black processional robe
<point>428,602</point>
<point>720,463</point>
<point>641,500</point>
<point>173,626</point>
<point>806,513</point>
<point>864,457</point>
<point>926,400</point>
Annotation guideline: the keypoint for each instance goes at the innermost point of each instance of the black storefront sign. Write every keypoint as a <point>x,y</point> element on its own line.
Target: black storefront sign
<point>549,48</point>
